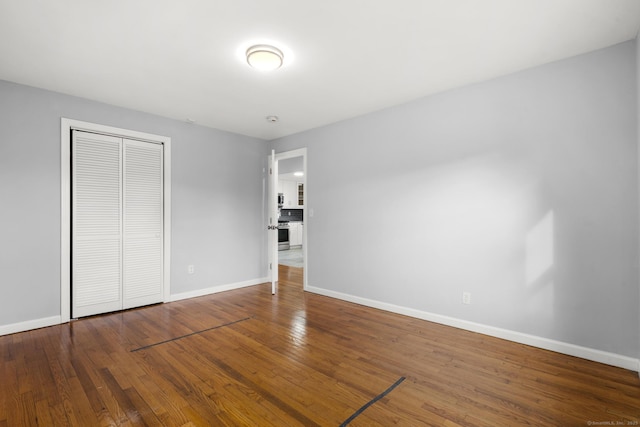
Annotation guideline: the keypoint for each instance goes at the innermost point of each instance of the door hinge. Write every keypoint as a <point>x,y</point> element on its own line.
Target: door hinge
<point>270,266</point>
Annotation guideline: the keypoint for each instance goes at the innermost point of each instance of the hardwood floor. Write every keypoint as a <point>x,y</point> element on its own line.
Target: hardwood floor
<point>245,357</point>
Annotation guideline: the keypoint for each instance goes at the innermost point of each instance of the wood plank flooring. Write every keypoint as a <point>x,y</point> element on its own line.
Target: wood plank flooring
<point>245,357</point>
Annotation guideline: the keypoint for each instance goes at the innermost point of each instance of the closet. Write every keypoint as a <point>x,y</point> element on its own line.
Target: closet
<point>116,223</point>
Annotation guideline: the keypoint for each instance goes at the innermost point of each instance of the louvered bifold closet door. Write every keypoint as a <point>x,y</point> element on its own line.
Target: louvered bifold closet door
<point>143,223</point>
<point>96,224</point>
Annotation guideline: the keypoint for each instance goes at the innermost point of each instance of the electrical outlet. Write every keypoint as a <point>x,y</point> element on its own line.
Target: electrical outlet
<point>191,269</point>
<point>466,297</point>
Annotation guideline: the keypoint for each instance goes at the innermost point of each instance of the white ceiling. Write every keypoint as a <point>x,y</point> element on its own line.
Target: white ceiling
<point>183,58</point>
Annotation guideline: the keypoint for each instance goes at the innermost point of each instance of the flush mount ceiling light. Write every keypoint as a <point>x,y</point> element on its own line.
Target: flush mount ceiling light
<point>264,57</point>
<point>299,173</point>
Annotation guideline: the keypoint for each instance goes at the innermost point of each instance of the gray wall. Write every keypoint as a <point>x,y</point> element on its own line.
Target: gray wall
<point>522,191</point>
<point>217,193</point>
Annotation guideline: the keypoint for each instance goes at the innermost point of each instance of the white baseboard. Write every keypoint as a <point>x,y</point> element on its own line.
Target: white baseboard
<point>519,337</point>
<point>56,320</point>
<point>29,325</point>
<point>216,289</point>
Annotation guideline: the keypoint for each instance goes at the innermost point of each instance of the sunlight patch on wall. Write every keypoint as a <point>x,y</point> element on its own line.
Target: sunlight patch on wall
<point>539,249</point>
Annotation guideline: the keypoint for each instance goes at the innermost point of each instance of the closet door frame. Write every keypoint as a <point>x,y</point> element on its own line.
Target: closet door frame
<point>66,128</point>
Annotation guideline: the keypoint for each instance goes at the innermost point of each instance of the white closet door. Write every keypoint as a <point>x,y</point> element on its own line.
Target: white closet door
<point>96,224</point>
<point>117,224</point>
<point>143,223</point>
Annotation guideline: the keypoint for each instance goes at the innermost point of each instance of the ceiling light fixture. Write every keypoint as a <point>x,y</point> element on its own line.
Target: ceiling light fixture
<point>264,57</point>
<point>299,173</point>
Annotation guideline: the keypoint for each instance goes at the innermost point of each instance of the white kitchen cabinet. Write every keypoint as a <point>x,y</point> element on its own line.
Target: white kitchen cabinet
<point>295,233</point>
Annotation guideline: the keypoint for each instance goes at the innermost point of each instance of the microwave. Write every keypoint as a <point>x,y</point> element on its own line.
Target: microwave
<point>280,200</point>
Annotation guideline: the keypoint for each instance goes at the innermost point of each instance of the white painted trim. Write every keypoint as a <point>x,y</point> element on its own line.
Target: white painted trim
<point>219,288</point>
<point>66,125</point>
<point>56,320</point>
<point>29,325</point>
<point>301,152</point>
<point>532,340</point>
<point>65,220</point>
<point>638,132</point>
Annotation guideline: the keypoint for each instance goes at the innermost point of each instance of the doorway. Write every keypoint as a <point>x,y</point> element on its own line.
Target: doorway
<point>292,196</point>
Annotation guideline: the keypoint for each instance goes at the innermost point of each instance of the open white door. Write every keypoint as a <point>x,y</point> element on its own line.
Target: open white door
<point>272,227</point>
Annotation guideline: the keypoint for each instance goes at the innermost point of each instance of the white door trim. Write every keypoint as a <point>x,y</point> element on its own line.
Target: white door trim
<point>66,126</point>
<point>301,152</point>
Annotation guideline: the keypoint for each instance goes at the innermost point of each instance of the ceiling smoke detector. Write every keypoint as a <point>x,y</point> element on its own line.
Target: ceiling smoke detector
<point>272,119</point>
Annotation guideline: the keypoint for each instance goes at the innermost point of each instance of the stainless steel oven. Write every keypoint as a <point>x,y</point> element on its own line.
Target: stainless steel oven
<point>283,236</point>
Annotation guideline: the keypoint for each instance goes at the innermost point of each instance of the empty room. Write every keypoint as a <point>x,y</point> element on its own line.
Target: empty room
<point>293,213</point>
